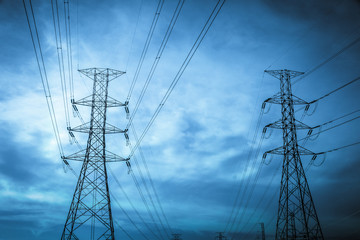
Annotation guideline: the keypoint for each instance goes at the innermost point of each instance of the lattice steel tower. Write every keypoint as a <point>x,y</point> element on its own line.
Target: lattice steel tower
<point>220,236</point>
<point>297,218</point>
<point>90,214</point>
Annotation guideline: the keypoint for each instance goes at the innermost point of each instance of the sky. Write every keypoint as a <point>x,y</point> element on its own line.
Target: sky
<point>197,149</point>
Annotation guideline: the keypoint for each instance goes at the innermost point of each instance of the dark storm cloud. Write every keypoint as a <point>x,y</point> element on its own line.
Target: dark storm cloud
<point>12,163</point>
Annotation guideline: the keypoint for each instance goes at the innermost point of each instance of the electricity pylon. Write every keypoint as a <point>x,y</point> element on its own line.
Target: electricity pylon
<point>220,236</point>
<point>262,231</point>
<point>90,214</point>
<point>297,218</point>
<point>176,236</point>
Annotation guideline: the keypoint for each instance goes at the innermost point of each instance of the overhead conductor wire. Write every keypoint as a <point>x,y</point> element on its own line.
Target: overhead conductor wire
<point>157,58</point>
<point>187,60</point>
<point>43,75</point>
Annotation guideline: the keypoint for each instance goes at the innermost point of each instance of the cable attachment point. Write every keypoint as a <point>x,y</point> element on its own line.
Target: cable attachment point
<point>75,109</point>
<point>71,135</point>
<point>264,132</point>
<point>127,137</point>
<point>65,167</point>
<point>309,132</point>
<point>127,109</point>
<point>308,107</point>
<point>128,165</point>
<point>263,105</point>
<point>264,158</point>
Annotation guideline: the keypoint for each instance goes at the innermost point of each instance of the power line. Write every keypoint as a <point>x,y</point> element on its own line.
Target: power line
<point>59,49</point>
<point>131,204</point>
<point>327,60</point>
<point>187,60</point>
<point>150,75</point>
<point>146,46</point>
<point>142,156</point>
<point>143,198</point>
<point>122,229</point>
<point>245,170</point>
<point>338,118</point>
<point>251,191</point>
<point>127,215</point>
<point>133,37</point>
<point>339,148</point>
<point>43,75</point>
<point>157,59</point>
<point>147,190</point>
<point>327,129</point>
<point>335,90</point>
<point>69,46</point>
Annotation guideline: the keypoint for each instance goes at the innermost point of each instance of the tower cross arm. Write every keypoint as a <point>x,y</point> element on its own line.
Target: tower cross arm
<point>111,74</point>
<point>88,101</point>
<point>280,98</point>
<point>109,156</point>
<point>281,151</point>
<point>279,125</point>
<point>279,73</point>
<point>109,128</point>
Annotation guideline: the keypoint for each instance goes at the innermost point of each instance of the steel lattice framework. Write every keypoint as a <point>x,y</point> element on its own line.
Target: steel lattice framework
<point>90,214</point>
<point>297,218</point>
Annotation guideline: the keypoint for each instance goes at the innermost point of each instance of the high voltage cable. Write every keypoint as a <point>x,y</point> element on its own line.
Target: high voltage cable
<point>58,41</point>
<point>122,229</point>
<point>329,93</point>
<point>253,142</point>
<point>127,215</point>
<point>327,60</point>
<point>267,188</point>
<point>43,76</point>
<point>335,90</point>
<point>69,46</point>
<point>336,119</point>
<point>146,46</point>
<point>339,148</point>
<point>251,191</point>
<point>130,202</point>
<point>270,200</point>
<point>327,129</point>
<point>147,190</point>
<point>142,156</point>
<point>133,37</point>
<point>181,70</point>
<point>150,75</point>
<point>157,59</point>
<point>144,201</point>
<point>187,60</point>
<point>245,170</point>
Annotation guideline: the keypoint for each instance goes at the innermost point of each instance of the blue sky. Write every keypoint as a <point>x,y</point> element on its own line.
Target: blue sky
<point>197,148</point>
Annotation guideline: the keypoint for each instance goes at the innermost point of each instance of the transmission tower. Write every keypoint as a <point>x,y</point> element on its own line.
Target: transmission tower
<point>220,236</point>
<point>90,214</point>
<point>176,236</point>
<point>297,218</point>
<point>262,231</point>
